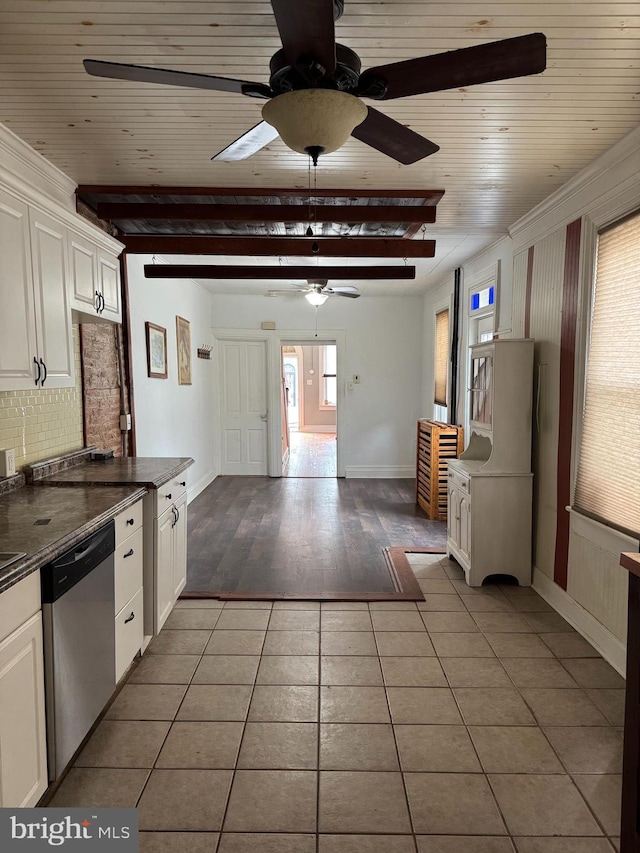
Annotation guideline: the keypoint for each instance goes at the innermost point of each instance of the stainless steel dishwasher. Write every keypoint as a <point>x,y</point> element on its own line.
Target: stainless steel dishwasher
<point>79,642</point>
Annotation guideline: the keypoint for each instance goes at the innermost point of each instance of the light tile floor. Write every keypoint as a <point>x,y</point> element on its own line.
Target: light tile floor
<point>476,721</point>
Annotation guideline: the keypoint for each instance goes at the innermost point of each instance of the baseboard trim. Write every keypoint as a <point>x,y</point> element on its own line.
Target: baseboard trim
<point>380,472</point>
<point>609,646</point>
<point>194,490</point>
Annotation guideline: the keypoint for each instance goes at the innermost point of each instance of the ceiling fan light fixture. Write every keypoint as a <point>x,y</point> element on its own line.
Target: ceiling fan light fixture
<point>309,119</point>
<point>316,298</point>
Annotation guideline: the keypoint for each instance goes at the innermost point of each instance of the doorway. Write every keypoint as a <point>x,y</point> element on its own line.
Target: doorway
<point>310,409</point>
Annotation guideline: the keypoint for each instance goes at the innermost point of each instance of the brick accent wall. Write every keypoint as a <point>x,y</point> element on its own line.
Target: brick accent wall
<point>101,386</point>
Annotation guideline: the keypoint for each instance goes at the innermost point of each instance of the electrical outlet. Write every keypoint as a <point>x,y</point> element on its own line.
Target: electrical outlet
<point>125,423</point>
<point>7,462</point>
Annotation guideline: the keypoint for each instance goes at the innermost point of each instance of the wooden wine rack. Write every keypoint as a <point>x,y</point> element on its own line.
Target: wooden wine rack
<point>437,443</point>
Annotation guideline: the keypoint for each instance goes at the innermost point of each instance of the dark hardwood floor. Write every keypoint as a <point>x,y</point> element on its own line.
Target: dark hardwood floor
<point>302,536</point>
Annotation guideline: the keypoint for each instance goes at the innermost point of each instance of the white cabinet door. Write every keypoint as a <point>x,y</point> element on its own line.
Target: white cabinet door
<point>52,312</point>
<point>453,516</point>
<point>465,527</point>
<point>83,285</point>
<point>23,745</point>
<point>180,548</point>
<point>18,346</point>
<point>164,566</point>
<point>109,287</point>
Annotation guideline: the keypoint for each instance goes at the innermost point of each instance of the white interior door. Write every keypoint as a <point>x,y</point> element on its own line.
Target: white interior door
<point>243,386</point>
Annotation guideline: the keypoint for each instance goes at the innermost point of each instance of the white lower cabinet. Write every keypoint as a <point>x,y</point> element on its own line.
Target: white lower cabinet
<point>165,562</point>
<point>489,523</point>
<point>128,582</point>
<point>171,563</point>
<point>23,741</point>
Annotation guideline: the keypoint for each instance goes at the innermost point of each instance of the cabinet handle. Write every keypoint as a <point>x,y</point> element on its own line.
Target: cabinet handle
<point>175,516</point>
<point>130,618</point>
<point>168,497</point>
<point>131,521</point>
<point>35,361</point>
<point>44,378</point>
<point>101,304</point>
<point>183,483</point>
<point>128,554</point>
<point>97,302</point>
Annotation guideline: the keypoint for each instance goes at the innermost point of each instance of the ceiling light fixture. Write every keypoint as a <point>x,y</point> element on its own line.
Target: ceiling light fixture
<point>315,121</point>
<point>315,297</point>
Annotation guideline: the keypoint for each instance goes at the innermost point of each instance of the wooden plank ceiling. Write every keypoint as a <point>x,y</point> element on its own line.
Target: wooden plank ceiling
<point>503,146</point>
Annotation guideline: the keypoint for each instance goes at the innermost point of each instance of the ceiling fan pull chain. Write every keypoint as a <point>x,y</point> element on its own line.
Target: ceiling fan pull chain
<point>309,231</point>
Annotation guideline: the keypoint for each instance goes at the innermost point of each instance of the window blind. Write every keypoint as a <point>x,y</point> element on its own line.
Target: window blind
<point>441,357</point>
<point>608,479</point>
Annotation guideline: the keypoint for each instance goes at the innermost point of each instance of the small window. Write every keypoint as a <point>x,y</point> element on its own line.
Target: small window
<point>482,298</point>
<point>329,377</point>
<point>441,357</point>
<point>608,486</point>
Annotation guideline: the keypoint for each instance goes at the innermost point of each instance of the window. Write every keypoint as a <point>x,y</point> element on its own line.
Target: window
<point>441,357</point>
<point>329,381</point>
<point>608,485</point>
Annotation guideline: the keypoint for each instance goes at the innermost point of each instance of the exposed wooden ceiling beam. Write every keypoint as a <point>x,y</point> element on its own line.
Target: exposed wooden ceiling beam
<point>430,197</point>
<point>268,212</point>
<point>320,247</point>
<point>287,273</point>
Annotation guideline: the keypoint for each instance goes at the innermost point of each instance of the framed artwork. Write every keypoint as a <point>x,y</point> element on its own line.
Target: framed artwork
<point>183,334</point>
<point>156,351</point>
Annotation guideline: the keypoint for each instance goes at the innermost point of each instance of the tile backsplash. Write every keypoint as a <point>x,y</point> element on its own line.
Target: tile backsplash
<point>43,422</point>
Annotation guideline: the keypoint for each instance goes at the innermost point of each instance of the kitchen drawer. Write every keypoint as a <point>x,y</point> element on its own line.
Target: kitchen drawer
<point>128,568</point>
<point>461,481</point>
<point>169,493</point>
<point>18,603</point>
<point>128,522</point>
<point>129,633</point>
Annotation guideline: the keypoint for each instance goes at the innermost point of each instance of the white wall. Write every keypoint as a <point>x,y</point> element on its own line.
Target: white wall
<point>383,344</point>
<point>172,419</point>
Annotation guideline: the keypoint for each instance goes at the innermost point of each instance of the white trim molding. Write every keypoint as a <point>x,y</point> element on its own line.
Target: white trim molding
<point>23,166</point>
<point>609,646</point>
<point>611,181</point>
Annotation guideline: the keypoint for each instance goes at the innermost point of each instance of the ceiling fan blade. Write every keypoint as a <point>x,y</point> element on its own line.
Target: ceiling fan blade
<point>394,139</point>
<point>249,143</point>
<point>165,77</point>
<point>306,30</point>
<point>350,292</point>
<point>483,63</point>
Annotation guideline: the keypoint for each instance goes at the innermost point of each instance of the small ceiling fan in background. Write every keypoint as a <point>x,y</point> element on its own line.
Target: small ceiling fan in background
<point>315,85</point>
<point>317,292</point>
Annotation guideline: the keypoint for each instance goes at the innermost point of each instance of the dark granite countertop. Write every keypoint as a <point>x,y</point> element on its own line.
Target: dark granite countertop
<point>73,514</point>
<point>149,471</point>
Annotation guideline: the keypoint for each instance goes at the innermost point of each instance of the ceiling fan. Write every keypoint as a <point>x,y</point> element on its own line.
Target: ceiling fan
<point>315,85</point>
<point>318,291</point>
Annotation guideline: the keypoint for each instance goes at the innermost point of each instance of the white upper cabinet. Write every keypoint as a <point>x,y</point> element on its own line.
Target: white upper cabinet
<point>53,317</point>
<point>94,285</point>
<point>109,287</point>
<point>36,345</point>
<point>17,317</point>
<point>51,262</point>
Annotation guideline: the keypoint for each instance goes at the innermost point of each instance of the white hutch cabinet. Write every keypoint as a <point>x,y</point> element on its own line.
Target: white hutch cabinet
<point>490,484</point>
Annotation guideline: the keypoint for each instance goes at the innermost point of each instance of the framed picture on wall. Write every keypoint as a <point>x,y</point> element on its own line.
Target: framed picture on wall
<point>156,351</point>
<point>183,334</point>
